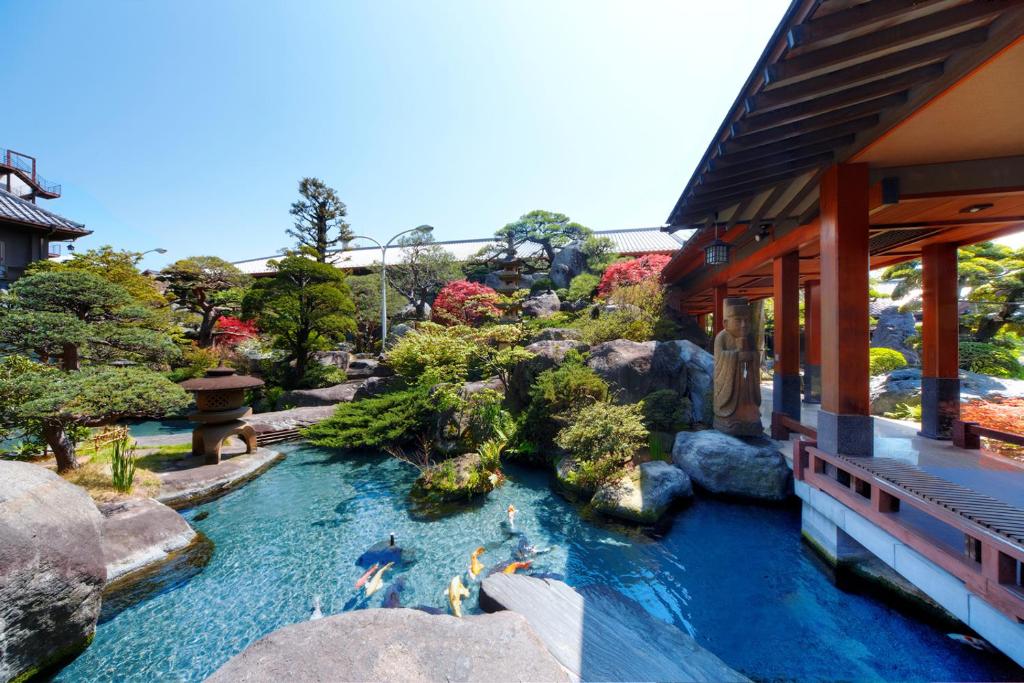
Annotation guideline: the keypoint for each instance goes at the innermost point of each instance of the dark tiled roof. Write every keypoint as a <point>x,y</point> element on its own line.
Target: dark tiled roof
<point>14,208</point>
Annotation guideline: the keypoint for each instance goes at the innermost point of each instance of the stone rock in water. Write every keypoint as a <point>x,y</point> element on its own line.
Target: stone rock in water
<point>901,386</point>
<point>139,533</point>
<point>626,366</point>
<point>51,568</point>
<point>546,355</point>
<point>727,465</point>
<point>598,634</point>
<point>893,330</point>
<point>397,645</point>
<point>644,494</point>
<point>542,305</point>
<point>567,264</point>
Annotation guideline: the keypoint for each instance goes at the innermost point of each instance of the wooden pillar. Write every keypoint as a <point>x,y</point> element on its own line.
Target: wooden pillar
<point>786,342</point>
<point>812,342</point>
<point>720,294</point>
<point>844,421</point>
<point>940,357</point>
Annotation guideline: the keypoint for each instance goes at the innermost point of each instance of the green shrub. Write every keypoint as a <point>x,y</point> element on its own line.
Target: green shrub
<point>440,353</point>
<point>395,418</point>
<point>487,419</point>
<point>194,362</point>
<point>541,285</point>
<point>122,464</point>
<point>557,394</point>
<point>583,286</point>
<point>602,438</point>
<point>989,359</point>
<point>319,376</point>
<point>622,324</point>
<point>883,361</point>
<point>666,411</point>
<point>559,319</point>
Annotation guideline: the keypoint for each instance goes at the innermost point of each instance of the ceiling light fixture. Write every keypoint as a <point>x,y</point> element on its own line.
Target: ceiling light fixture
<point>975,208</point>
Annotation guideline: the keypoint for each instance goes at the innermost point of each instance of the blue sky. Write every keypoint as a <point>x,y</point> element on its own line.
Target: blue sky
<point>187,125</point>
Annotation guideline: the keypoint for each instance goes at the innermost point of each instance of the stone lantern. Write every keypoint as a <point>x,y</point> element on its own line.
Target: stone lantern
<point>219,411</point>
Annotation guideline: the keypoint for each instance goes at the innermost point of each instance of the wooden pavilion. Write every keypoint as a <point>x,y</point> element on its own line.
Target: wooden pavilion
<point>868,134</point>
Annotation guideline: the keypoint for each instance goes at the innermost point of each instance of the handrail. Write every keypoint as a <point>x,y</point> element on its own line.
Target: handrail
<point>783,425</point>
<point>25,166</point>
<point>968,435</point>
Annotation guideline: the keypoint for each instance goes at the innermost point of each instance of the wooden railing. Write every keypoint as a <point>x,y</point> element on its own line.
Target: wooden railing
<point>969,434</point>
<point>783,425</point>
<point>104,438</point>
<point>991,560</point>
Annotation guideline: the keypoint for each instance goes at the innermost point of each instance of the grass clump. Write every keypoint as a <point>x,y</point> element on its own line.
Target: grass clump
<point>122,464</point>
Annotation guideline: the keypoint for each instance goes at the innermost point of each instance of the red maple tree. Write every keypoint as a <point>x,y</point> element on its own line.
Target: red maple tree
<point>465,303</point>
<point>231,331</point>
<point>631,272</point>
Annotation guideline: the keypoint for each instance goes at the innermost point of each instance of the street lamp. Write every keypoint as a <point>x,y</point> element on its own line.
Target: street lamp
<point>159,250</point>
<point>425,229</point>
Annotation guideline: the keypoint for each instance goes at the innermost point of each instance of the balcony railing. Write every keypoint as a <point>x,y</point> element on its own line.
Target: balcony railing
<point>26,168</point>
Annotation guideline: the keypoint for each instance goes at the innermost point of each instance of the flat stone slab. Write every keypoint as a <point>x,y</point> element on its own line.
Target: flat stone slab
<point>598,634</point>
<point>139,533</point>
<point>183,487</point>
<point>288,419</point>
<point>397,645</point>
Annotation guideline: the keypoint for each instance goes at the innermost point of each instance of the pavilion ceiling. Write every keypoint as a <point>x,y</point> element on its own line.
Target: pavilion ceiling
<point>836,76</point>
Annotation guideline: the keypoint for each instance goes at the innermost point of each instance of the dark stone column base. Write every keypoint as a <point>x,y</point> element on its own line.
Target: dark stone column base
<point>786,395</point>
<point>846,434</point>
<point>812,384</point>
<point>940,406</point>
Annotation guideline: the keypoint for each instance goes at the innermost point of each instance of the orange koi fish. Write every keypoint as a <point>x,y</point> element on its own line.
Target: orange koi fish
<point>475,565</point>
<point>366,577</point>
<point>513,567</point>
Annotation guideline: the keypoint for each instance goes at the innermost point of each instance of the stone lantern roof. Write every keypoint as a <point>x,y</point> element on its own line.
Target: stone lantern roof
<point>221,378</point>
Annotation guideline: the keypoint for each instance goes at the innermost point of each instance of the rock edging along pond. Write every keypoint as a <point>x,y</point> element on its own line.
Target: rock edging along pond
<point>397,645</point>
<point>598,634</point>
<point>188,487</point>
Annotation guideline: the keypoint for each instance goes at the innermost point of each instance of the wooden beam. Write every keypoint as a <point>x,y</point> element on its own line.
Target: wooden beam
<point>851,19</point>
<point>734,149</point>
<point>795,201</point>
<point>940,383</point>
<point>730,177</point>
<point>749,133</point>
<point>721,293</point>
<point>929,53</point>
<point>812,341</point>
<point>786,292</point>
<point>741,209</point>
<point>817,60</point>
<point>789,150</point>
<point>900,82</point>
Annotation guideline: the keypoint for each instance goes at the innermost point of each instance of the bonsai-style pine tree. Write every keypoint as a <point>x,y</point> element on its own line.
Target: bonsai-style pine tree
<point>208,286</point>
<point>305,307</point>
<point>68,335</point>
<point>547,229</point>
<point>319,219</point>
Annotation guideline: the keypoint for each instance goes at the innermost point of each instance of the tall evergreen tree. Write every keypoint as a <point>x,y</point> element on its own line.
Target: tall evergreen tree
<point>319,219</point>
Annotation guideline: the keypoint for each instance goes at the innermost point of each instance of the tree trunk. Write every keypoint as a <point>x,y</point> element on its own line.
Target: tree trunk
<point>205,339</point>
<point>989,326</point>
<point>69,358</point>
<point>63,447</point>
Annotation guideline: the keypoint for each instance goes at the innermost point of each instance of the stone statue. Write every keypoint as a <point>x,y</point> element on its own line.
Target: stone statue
<point>737,374</point>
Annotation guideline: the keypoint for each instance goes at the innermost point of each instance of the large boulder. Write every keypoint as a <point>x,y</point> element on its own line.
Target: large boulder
<point>334,359</point>
<point>598,634</point>
<point>893,330</point>
<point>557,334</point>
<point>725,465</point>
<point>543,305</point>
<point>140,533</point>
<point>643,494</point>
<point>375,386</point>
<point>899,387</point>
<point>361,368</point>
<point>700,374</point>
<point>328,396</point>
<point>546,355</point>
<point>396,332</point>
<point>51,569</point>
<point>626,366</point>
<point>397,645</point>
<point>569,262</point>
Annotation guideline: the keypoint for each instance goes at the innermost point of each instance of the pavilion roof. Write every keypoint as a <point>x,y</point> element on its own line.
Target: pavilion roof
<point>836,76</point>
<point>15,209</point>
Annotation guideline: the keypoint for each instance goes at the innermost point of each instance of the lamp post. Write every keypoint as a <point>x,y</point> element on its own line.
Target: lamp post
<point>425,229</point>
<point>159,250</point>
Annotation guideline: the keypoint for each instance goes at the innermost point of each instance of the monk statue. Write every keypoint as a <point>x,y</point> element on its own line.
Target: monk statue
<point>737,374</point>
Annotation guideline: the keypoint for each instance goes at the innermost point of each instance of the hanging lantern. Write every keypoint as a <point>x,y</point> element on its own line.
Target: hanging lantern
<point>717,253</point>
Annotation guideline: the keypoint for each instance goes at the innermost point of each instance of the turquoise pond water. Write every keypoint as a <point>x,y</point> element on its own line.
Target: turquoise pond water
<point>737,577</point>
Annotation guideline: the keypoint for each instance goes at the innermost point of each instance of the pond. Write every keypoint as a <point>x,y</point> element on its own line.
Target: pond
<point>736,577</point>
